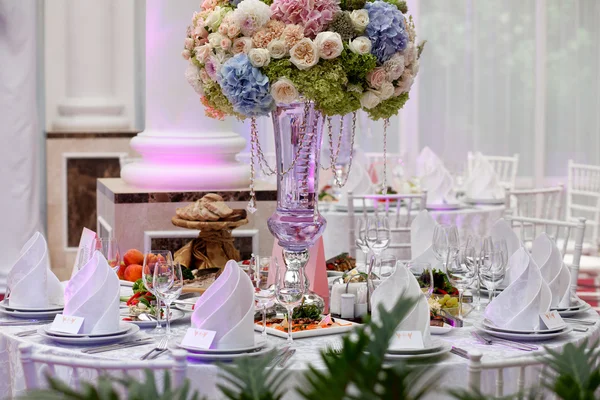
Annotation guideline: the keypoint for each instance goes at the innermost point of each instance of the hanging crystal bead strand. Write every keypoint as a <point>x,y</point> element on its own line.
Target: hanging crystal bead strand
<point>251,207</point>
<point>386,124</point>
<point>339,183</point>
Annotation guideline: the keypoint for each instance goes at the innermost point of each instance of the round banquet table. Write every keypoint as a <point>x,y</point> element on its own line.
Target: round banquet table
<point>205,377</point>
<point>470,220</point>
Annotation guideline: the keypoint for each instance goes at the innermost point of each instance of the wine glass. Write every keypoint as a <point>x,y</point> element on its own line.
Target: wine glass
<point>290,286</point>
<point>168,285</point>
<point>445,243</point>
<point>387,266</point>
<point>110,250</point>
<point>492,266</point>
<point>424,274</point>
<point>264,292</point>
<point>361,237</point>
<point>378,235</point>
<point>463,273</point>
<point>150,261</point>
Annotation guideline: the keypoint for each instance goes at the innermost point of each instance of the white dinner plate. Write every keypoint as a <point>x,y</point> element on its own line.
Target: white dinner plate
<point>229,356</point>
<point>580,304</point>
<point>257,346</point>
<point>485,202</point>
<point>185,307</point>
<point>86,340</point>
<point>570,313</point>
<point>4,305</point>
<point>175,315</point>
<point>123,328</point>
<point>434,345</point>
<point>312,333</point>
<point>490,325</point>
<point>125,283</point>
<point>440,330</point>
<point>523,336</point>
<point>446,347</point>
<point>444,207</point>
<point>31,314</point>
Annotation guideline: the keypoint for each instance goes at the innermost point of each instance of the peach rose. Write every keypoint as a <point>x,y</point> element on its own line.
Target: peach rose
<point>304,54</point>
<point>376,77</point>
<point>277,49</point>
<point>242,45</point>
<point>284,91</point>
<point>292,34</point>
<point>329,44</point>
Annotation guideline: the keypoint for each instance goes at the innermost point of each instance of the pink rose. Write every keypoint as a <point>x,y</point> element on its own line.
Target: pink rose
<point>202,53</point>
<point>225,43</point>
<point>376,77</point>
<point>186,54</point>
<point>223,29</point>
<point>200,32</point>
<point>292,34</point>
<point>189,43</point>
<point>233,30</point>
<point>242,45</point>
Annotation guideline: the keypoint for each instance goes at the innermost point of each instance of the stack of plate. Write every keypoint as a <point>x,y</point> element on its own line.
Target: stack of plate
<point>260,348</point>
<point>125,330</point>
<point>522,334</point>
<point>580,306</point>
<point>435,347</point>
<point>30,312</point>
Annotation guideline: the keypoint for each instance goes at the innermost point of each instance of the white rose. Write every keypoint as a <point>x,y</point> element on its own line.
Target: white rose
<point>186,54</point>
<point>360,19</point>
<point>284,91</point>
<point>369,100</point>
<point>242,45</point>
<point>203,52</point>
<point>329,45</point>
<point>192,75</point>
<point>215,17</point>
<point>394,67</point>
<point>304,54</point>
<point>360,45</point>
<point>215,40</point>
<point>259,57</point>
<point>277,48</point>
<point>385,91</point>
<point>189,43</point>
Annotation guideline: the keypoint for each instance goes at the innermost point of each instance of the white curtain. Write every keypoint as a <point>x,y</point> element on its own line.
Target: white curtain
<point>20,207</point>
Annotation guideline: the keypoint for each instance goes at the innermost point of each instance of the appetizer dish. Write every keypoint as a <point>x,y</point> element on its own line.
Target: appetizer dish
<point>441,283</point>
<point>341,263</point>
<point>304,318</point>
<point>142,301</point>
<point>326,194</point>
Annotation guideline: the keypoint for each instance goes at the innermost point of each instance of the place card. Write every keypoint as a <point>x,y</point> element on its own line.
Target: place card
<point>407,340</point>
<point>66,324</point>
<point>198,338</point>
<point>552,319</point>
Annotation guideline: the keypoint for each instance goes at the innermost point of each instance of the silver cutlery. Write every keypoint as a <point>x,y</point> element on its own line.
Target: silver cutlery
<point>157,354</point>
<point>286,357</point>
<point>459,352</point>
<point>146,340</point>
<point>504,342</point>
<point>579,321</point>
<point>118,346</point>
<point>579,329</point>
<point>27,333</point>
<point>162,345</point>
<point>23,322</point>
<point>279,356</point>
<point>334,347</point>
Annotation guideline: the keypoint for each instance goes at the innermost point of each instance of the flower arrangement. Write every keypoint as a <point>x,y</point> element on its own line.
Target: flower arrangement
<point>247,56</point>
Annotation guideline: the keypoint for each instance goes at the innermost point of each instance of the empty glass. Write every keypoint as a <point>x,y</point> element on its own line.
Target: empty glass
<point>290,286</point>
<point>150,261</point>
<point>378,235</point>
<point>424,274</point>
<point>387,266</point>
<point>110,250</point>
<point>445,243</point>
<point>264,292</point>
<point>360,237</point>
<point>463,273</point>
<point>168,285</point>
<point>492,266</point>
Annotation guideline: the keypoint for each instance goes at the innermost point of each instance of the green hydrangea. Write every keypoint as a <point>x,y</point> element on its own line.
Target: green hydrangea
<point>342,24</point>
<point>388,108</point>
<point>400,4</point>
<point>216,99</point>
<point>267,2</point>
<point>357,65</point>
<point>351,5</point>
<point>325,84</point>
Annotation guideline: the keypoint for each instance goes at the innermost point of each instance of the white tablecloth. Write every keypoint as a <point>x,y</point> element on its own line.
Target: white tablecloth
<point>204,377</point>
<point>471,220</point>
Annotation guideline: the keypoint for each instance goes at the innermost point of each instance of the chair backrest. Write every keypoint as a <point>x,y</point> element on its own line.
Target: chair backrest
<point>502,367</point>
<point>92,368</point>
<point>559,231</point>
<point>545,203</point>
<point>375,163</point>
<point>505,167</point>
<point>391,205</point>
<point>583,197</point>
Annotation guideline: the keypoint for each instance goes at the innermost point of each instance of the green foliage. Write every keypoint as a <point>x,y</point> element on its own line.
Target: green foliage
<point>325,84</point>
<point>360,365</point>
<point>342,24</point>
<point>267,2</point>
<point>104,390</point>
<point>388,108</point>
<point>351,5</point>
<point>253,379</point>
<point>357,65</point>
<point>400,4</point>
<point>216,99</point>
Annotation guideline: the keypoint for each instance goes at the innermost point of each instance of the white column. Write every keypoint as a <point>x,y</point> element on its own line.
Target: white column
<point>540,93</point>
<point>89,102</point>
<point>181,148</point>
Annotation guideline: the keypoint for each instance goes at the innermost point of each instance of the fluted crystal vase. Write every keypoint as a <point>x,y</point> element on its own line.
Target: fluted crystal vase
<point>296,223</point>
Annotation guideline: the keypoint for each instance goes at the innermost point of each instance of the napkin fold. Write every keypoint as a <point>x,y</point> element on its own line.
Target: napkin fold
<point>435,178</point>
<point>519,305</point>
<point>30,281</point>
<point>227,307</point>
<point>403,283</point>
<point>93,293</point>
<point>483,181</point>
<point>421,239</point>
<point>556,274</point>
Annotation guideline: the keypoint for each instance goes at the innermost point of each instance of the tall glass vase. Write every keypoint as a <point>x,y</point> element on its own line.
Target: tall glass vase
<point>296,223</point>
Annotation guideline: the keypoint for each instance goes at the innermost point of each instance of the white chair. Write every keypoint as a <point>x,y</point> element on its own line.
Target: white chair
<point>374,165</point>
<point>545,203</point>
<point>501,368</point>
<point>559,231</point>
<point>92,368</point>
<point>583,198</point>
<point>390,205</point>
<point>505,167</point>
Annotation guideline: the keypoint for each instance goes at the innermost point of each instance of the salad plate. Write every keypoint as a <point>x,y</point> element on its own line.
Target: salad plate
<point>523,336</point>
<point>445,348</point>
<point>4,305</point>
<point>175,316</point>
<point>571,312</point>
<point>257,346</point>
<point>86,340</point>
<point>339,326</point>
<point>433,346</point>
<point>123,328</point>
<point>490,325</point>
<point>440,330</point>
<point>230,356</point>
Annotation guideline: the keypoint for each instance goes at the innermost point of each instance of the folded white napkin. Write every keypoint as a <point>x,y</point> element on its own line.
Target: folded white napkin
<point>227,307</point>
<point>483,181</point>
<point>93,293</point>
<point>30,282</point>
<point>435,178</point>
<point>421,237</point>
<point>519,305</point>
<point>403,283</point>
<point>556,274</point>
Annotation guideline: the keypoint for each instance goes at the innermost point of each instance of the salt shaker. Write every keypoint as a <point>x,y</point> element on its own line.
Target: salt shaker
<point>347,309</point>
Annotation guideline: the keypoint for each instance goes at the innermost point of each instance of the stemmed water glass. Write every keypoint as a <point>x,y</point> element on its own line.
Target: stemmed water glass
<point>290,286</point>
<point>387,266</point>
<point>264,292</point>
<point>168,284</point>
<point>378,235</point>
<point>150,261</point>
<point>445,243</point>
<point>463,273</point>
<point>424,274</point>
<point>493,265</point>
<point>110,250</point>
<point>361,237</point>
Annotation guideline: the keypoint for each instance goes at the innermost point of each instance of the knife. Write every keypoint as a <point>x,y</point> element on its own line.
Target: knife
<point>146,340</point>
<point>286,357</point>
<point>278,357</point>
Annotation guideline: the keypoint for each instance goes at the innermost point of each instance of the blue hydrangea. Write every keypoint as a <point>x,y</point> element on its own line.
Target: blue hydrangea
<point>386,30</point>
<point>245,87</point>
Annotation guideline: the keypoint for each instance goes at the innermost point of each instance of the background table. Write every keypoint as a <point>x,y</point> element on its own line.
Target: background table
<point>204,377</point>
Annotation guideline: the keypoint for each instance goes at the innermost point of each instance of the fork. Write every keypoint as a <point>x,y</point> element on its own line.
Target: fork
<point>160,348</point>
<point>503,342</point>
<point>27,333</point>
<point>334,347</point>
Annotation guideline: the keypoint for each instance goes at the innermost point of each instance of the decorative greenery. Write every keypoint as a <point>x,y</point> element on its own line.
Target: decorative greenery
<point>388,108</point>
<point>351,5</point>
<point>400,4</point>
<point>216,99</point>
<point>342,24</point>
<point>357,65</point>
